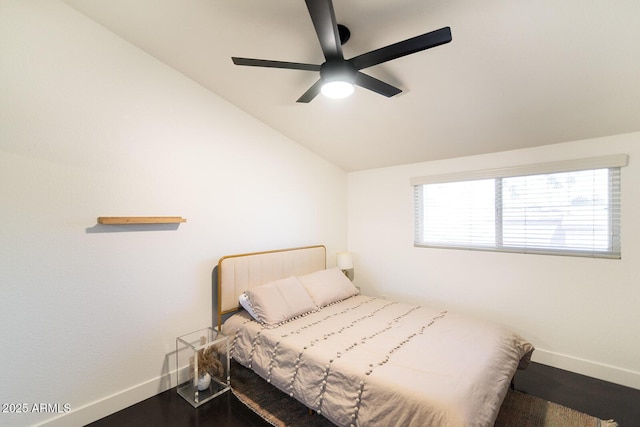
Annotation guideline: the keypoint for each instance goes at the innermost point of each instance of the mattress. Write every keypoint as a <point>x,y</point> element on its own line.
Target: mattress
<point>372,362</point>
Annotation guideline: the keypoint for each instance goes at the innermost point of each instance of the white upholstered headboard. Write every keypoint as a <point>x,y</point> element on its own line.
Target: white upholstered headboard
<point>237,273</point>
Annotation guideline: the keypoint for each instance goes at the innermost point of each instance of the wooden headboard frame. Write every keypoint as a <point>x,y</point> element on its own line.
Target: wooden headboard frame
<point>237,273</point>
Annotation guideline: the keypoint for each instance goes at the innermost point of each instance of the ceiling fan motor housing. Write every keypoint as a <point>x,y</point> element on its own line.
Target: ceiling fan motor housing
<point>338,70</point>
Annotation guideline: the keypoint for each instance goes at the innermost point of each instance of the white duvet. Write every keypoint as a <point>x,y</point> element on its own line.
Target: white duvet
<point>372,362</point>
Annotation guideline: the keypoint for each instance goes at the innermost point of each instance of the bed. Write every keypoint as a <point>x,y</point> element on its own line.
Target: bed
<point>359,360</point>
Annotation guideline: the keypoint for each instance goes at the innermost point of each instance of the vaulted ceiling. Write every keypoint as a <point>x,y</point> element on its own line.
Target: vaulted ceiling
<point>516,75</point>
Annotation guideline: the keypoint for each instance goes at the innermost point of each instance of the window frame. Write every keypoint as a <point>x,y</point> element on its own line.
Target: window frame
<point>612,163</point>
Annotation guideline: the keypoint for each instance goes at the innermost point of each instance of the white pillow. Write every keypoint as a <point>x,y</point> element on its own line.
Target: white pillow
<point>279,301</point>
<point>244,302</point>
<point>328,286</point>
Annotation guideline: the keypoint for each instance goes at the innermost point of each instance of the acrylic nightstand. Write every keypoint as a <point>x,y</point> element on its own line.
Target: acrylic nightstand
<point>202,362</point>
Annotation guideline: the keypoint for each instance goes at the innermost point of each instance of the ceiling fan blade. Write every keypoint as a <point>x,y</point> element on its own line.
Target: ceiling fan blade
<point>376,85</point>
<point>311,93</point>
<point>275,64</point>
<point>406,47</point>
<point>324,21</point>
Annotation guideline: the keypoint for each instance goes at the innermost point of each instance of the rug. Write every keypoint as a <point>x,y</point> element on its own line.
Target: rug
<point>280,410</point>
<point>524,410</point>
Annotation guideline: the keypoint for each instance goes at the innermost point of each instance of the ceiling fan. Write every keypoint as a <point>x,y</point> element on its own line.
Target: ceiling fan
<point>340,73</point>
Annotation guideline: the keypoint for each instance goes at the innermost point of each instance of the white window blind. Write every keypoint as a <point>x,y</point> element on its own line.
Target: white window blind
<point>564,208</point>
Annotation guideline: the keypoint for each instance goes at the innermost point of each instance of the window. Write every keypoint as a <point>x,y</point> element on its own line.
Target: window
<point>564,208</point>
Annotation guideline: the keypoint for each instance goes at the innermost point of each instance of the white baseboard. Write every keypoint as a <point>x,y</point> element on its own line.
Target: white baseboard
<point>114,403</point>
<point>597,370</point>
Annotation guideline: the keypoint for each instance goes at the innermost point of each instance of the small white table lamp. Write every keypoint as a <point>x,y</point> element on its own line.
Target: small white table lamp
<point>344,260</point>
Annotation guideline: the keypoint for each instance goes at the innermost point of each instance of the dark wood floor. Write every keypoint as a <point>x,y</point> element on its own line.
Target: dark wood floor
<point>595,397</point>
<point>598,398</point>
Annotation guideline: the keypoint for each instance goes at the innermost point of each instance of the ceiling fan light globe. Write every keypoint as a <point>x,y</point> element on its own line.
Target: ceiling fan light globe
<point>337,89</point>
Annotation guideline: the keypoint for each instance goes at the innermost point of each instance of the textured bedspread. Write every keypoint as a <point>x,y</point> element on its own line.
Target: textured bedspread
<point>373,362</point>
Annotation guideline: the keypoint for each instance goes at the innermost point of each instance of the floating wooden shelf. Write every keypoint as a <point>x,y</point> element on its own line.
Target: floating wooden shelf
<point>113,220</point>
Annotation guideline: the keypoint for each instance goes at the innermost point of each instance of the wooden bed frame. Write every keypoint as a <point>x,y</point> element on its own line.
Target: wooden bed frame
<point>237,273</point>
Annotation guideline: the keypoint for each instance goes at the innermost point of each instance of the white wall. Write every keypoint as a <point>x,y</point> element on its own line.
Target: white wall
<point>91,126</point>
<point>582,314</point>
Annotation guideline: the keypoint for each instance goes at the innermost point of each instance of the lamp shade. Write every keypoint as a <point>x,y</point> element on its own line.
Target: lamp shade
<point>344,260</point>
